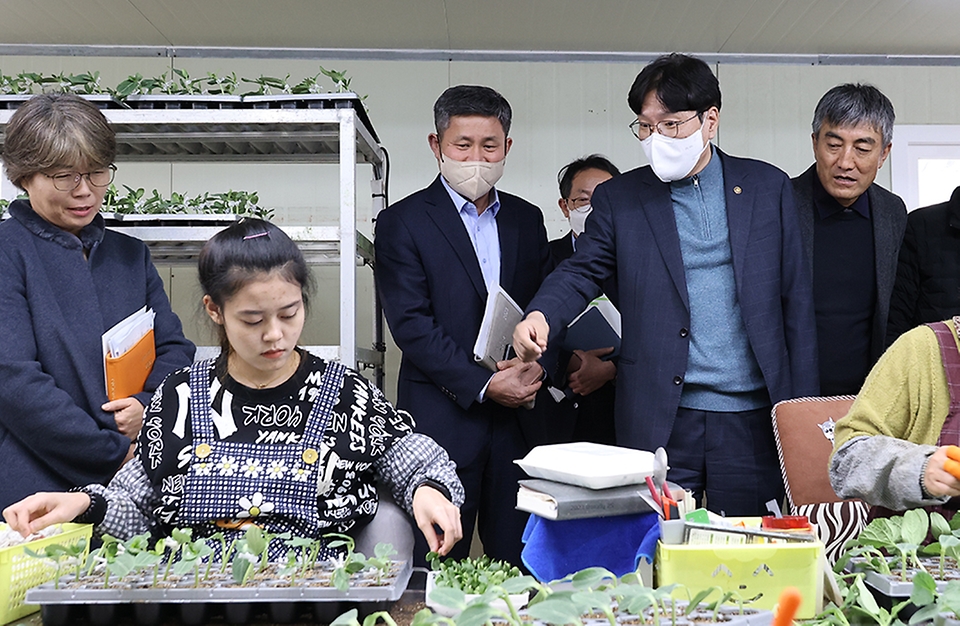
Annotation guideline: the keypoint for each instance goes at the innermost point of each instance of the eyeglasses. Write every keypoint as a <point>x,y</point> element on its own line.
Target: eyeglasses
<point>578,203</point>
<point>68,181</point>
<point>667,128</point>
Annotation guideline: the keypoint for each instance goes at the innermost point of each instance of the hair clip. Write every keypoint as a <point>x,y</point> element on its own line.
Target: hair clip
<point>264,233</point>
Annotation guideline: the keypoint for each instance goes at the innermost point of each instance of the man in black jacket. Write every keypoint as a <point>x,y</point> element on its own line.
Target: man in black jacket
<point>928,273</point>
<point>851,229</point>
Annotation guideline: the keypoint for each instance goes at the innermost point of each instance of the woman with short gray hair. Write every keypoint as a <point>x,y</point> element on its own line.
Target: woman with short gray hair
<point>64,281</point>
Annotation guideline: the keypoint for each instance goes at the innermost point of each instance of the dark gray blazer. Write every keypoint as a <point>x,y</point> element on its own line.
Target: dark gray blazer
<point>889,216</point>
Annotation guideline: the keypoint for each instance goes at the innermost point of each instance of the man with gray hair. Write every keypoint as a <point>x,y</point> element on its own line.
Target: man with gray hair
<point>852,229</point>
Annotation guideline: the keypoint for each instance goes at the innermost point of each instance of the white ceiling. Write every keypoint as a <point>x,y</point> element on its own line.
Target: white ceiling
<point>726,27</point>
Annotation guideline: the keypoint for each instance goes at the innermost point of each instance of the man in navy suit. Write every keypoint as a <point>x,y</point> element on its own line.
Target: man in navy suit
<point>438,253</point>
<point>713,287</point>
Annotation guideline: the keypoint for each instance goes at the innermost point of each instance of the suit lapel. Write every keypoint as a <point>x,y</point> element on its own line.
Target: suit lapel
<point>803,192</point>
<point>443,212</point>
<point>740,197</point>
<point>654,197</point>
<point>885,242</point>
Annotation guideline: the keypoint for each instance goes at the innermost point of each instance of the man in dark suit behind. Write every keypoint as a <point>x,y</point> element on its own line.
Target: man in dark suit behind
<point>852,228</point>
<point>590,377</point>
<point>438,253</point>
<point>927,288</point>
<point>715,295</point>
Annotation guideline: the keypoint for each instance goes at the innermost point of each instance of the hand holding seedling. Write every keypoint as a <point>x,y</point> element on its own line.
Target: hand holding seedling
<point>430,509</point>
<point>942,474</point>
<point>36,512</point>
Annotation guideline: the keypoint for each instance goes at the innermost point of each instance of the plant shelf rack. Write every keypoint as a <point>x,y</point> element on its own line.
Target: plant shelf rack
<point>312,128</point>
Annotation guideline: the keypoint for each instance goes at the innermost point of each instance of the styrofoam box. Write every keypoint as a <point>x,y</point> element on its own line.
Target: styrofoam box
<point>591,465</point>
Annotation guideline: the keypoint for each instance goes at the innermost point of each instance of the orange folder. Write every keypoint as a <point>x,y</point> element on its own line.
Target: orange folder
<point>127,373</point>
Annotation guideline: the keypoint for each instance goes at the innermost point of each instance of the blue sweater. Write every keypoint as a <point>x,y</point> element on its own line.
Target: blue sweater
<point>54,307</point>
<point>722,372</point>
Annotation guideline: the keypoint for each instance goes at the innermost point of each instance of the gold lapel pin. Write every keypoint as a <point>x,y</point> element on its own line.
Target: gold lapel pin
<point>737,190</point>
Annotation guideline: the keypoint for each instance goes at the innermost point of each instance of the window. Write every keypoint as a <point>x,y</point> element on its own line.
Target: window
<point>925,163</point>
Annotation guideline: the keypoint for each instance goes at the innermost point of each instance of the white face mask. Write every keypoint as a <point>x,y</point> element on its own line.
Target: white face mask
<point>673,159</point>
<point>471,179</point>
<point>578,219</point>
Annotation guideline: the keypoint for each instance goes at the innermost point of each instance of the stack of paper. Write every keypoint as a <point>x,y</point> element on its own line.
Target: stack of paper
<point>495,339</point>
<point>128,354</point>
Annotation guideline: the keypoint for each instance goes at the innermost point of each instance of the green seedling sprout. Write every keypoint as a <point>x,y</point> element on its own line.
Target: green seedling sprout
<point>222,540</point>
<point>350,563</point>
<point>471,575</point>
<point>557,608</point>
<point>383,553</point>
<point>53,553</point>
<point>350,619</point>
<point>949,600</point>
<point>192,554</point>
<point>947,542</point>
<point>426,617</point>
<point>300,547</point>
<point>635,598</point>
<point>244,562</point>
<point>266,85</point>
<point>724,598</point>
<point>924,597</point>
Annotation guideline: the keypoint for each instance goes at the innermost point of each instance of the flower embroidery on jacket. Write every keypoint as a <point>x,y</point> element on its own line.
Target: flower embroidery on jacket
<point>202,469</point>
<point>227,466</point>
<point>277,469</point>
<point>253,506</point>
<point>300,473</point>
<point>251,468</point>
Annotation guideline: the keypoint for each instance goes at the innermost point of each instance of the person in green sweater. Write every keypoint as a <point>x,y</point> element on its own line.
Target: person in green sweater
<point>891,449</point>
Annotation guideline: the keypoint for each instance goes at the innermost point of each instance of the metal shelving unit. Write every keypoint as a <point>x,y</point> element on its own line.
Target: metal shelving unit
<point>312,128</point>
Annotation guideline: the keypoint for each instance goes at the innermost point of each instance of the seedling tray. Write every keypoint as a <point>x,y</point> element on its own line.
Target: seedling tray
<point>946,619</point>
<point>184,101</point>
<point>197,613</point>
<point>91,590</point>
<point>894,587</point>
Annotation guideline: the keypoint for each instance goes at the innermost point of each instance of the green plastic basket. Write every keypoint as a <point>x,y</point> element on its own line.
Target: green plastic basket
<point>758,571</point>
<point>19,571</point>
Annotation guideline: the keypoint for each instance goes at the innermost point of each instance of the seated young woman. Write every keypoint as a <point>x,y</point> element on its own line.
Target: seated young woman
<point>266,433</point>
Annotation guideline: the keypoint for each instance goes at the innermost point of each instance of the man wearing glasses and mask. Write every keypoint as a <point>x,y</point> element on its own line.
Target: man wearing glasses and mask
<point>590,373</point>
<point>718,319</point>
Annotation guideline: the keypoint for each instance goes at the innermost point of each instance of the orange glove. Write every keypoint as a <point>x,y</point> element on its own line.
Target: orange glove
<point>952,464</point>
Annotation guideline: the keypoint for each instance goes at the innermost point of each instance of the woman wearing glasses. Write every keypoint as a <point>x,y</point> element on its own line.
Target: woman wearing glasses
<point>64,280</point>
